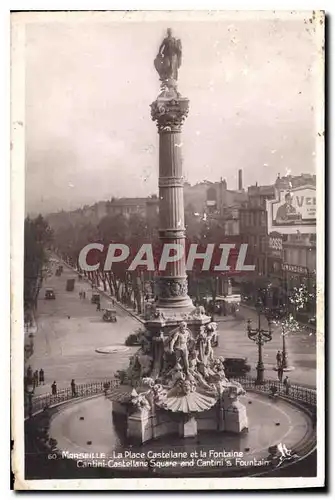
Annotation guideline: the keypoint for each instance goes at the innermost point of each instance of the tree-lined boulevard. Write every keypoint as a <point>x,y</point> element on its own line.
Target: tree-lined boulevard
<point>70,329</point>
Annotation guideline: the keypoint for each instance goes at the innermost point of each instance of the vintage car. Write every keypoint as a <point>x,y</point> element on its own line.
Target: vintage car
<point>109,315</point>
<point>236,367</point>
<point>49,294</point>
<point>95,299</point>
<point>59,270</point>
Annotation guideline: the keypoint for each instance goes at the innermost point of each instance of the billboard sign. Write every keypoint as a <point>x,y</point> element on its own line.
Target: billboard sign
<point>293,210</point>
<point>275,245</point>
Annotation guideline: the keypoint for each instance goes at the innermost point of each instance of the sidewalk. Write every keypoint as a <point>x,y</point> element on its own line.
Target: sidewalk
<point>31,329</point>
<point>29,334</point>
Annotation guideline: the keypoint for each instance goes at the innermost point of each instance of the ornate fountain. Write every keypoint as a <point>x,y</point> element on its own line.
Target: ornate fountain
<point>173,382</point>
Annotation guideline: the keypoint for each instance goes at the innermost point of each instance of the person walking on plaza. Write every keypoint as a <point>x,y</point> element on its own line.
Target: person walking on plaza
<point>280,373</point>
<point>29,374</point>
<point>84,295</point>
<point>287,385</point>
<point>106,387</point>
<point>41,376</point>
<point>73,388</point>
<point>279,359</point>
<point>54,388</point>
<point>98,306</point>
<point>35,379</point>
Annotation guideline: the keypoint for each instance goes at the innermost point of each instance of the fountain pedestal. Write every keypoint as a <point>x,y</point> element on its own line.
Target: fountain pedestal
<point>179,383</point>
<point>234,414</point>
<point>139,428</point>
<point>188,426</point>
<point>151,422</point>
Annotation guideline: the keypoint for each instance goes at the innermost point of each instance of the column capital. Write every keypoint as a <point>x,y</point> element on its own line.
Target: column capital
<point>169,113</point>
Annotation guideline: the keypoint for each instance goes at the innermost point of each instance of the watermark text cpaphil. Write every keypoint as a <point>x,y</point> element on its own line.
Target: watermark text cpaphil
<point>223,257</point>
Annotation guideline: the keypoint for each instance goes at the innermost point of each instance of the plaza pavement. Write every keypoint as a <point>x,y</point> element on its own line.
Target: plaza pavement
<point>69,331</point>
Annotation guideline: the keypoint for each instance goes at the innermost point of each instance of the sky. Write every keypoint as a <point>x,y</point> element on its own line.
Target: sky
<point>252,85</point>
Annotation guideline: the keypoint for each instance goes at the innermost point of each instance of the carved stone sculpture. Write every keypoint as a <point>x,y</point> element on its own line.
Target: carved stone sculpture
<point>168,59</point>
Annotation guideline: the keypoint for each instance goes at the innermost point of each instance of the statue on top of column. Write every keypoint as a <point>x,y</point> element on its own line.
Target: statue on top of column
<point>168,59</point>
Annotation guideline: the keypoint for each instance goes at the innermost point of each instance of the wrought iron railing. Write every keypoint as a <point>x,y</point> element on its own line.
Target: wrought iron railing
<point>35,404</point>
<point>294,392</point>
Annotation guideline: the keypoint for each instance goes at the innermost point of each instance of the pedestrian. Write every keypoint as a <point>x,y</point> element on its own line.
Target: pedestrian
<point>54,388</point>
<point>35,378</point>
<point>73,388</point>
<point>84,295</point>
<point>29,374</point>
<point>98,306</point>
<point>41,376</point>
<point>279,359</point>
<point>106,387</point>
<point>280,373</point>
<point>287,385</point>
<point>80,295</point>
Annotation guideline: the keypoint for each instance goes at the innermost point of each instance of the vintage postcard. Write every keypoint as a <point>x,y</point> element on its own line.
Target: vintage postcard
<point>167,250</point>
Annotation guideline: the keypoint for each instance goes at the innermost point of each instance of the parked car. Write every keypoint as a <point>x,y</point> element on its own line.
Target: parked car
<point>312,321</point>
<point>59,270</point>
<point>109,315</point>
<point>236,367</point>
<point>49,294</point>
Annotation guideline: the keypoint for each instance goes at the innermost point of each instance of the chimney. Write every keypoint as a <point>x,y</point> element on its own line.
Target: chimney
<point>240,183</point>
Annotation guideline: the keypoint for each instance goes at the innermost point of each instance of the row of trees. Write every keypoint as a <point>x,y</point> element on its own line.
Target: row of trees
<point>134,230</point>
<point>127,287</point>
<point>38,237</point>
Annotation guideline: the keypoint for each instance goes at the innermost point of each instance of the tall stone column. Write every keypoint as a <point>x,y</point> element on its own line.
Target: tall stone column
<point>169,112</point>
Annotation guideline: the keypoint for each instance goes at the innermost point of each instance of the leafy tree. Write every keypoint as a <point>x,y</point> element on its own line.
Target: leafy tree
<point>38,237</point>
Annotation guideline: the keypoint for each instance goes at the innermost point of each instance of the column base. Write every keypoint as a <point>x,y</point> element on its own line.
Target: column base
<point>176,303</point>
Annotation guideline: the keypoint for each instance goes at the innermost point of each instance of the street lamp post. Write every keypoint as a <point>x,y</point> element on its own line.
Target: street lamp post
<point>280,315</point>
<point>260,337</point>
<point>284,352</point>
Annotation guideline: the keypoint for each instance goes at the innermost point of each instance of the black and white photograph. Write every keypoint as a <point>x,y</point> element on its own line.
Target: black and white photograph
<point>167,249</point>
